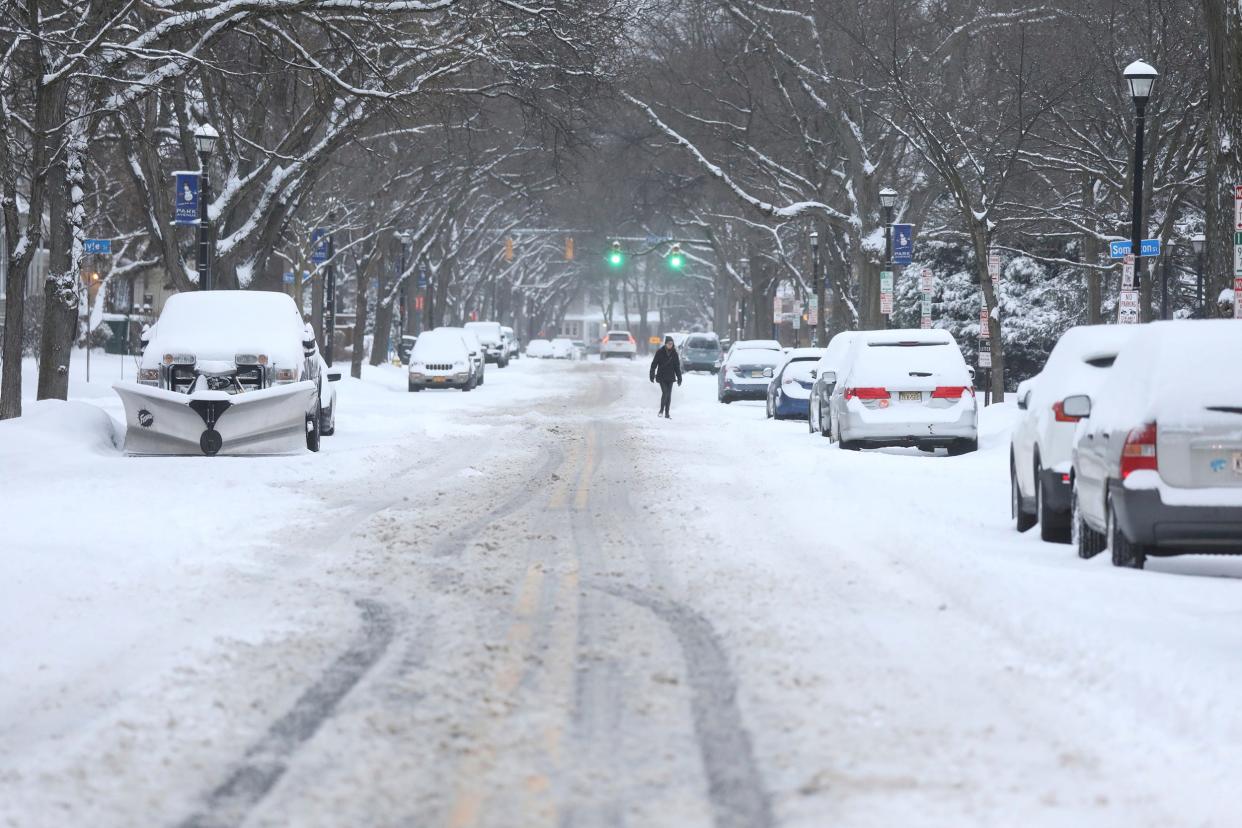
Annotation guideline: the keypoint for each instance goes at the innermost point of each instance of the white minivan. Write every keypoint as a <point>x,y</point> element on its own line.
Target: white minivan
<point>1039,451</point>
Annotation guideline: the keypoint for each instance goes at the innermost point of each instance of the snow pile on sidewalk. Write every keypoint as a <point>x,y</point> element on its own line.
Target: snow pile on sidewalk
<point>51,432</point>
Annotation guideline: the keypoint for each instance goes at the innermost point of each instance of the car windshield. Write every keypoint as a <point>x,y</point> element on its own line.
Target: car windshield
<point>800,369</point>
<point>702,343</point>
<point>618,337</point>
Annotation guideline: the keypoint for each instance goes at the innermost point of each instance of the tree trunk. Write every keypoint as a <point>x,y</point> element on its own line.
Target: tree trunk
<point>979,236</point>
<point>60,289</point>
<point>1223,20</point>
<point>360,319</point>
<point>1091,254</point>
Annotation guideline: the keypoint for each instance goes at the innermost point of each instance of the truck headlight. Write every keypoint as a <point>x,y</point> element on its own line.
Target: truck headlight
<point>179,359</point>
<point>250,359</point>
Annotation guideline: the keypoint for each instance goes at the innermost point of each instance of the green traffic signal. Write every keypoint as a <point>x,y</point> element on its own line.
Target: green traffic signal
<point>676,261</point>
<point>615,257</point>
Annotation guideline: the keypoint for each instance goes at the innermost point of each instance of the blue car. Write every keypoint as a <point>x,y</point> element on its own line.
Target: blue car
<point>789,392</point>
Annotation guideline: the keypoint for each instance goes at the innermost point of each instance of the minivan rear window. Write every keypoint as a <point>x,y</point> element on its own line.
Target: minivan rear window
<point>702,342</point>
<point>1101,362</point>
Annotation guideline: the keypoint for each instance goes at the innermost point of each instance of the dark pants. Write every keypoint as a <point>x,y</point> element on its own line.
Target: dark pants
<point>666,396</point>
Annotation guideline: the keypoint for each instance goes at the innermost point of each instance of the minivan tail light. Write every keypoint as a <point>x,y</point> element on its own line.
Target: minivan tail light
<point>1058,412</point>
<point>867,393</point>
<point>1139,451</point>
<point>951,392</point>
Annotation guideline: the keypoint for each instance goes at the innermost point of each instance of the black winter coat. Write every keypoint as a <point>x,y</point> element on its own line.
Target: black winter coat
<point>666,365</point>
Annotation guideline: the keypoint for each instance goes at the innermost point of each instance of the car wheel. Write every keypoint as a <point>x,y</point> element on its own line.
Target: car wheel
<point>810,423</point>
<point>1086,540</point>
<point>414,387</point>
<point>1125,554</point>
<point>1053,527</point>
<point>851,445</point>
<point>1022,520</point>
<point>312,430</point>
<point>768,409</point>
<point>328,422</point>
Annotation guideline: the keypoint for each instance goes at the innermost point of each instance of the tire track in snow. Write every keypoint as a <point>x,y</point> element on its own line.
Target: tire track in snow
<point>266,761</point>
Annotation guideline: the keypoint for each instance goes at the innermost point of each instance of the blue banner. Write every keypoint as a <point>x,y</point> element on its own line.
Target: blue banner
<point>186,204</point>
<point>97,247</point>
<point>319,245</point>
<point>903,244</point>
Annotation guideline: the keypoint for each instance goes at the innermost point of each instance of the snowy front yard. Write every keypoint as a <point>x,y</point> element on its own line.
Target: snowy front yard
<point>562,580</point>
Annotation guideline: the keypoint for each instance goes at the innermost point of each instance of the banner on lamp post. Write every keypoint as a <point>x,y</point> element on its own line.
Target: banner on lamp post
<point>185,209</point>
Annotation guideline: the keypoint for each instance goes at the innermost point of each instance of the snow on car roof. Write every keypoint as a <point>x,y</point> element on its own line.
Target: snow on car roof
<point>883,357</point>
<point>1070,369</point>
<point>219,324</point>
<point>924,335</point>
<point>1169,372</point>
<point>439,345</point>
<point>764,344</point>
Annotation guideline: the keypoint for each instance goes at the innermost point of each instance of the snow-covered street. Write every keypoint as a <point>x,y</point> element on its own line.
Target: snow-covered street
<point>537,604</point>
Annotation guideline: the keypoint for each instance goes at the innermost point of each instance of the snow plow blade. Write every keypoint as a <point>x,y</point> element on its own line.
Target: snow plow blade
<point>271,421</point>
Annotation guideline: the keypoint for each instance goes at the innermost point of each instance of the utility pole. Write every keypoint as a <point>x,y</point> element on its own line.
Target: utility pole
<point>329,293</point>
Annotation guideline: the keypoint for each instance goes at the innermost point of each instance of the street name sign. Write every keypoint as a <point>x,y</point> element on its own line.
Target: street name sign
<point>97,247</point>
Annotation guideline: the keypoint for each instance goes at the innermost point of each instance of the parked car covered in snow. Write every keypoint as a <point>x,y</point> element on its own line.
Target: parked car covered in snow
<point>618,344</point>
<point>477,352</point>
<point>700,352</point>
<point>539,349</point>
<point>789,391</point>
<point>563,348</point>
<point>1157,463</point>
<point>228,372</point>
<point>747,369</point>
<point>1039,450</point>
<point>491,336</point>
<point>404,347</point>
<point>513,348</point>
<point>441,359</point>
<point>905,388</point>
<point>824,375</point>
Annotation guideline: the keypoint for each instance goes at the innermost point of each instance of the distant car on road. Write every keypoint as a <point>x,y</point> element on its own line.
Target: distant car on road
<point>824,375</point>
<point>1043,437</point>
<point>1157,464</point>
<point>441,359</point>
<point>539,349</point>
<point>789,391</point>
<point>563,348</point>
<point>747,369</point>
<point>512,347</point>
<point>492,338</point>
<point>618,344</point>
<point>478,354</point>
<point>905,388</point>
<point>700,352</point>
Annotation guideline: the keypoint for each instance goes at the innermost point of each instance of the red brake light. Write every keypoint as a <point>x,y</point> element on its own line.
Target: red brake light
<point>1058,412</point>
<point>1139,451</point>
<point>867,393</point>
<point>951,392</point>
<point>632,339</point>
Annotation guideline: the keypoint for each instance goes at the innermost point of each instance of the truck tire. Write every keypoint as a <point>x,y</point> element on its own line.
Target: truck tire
<point>1125,554</point>
<point>1053,527</point>
<point>1022,520</point>
<point>1086,540</point>
<point>312,429</point>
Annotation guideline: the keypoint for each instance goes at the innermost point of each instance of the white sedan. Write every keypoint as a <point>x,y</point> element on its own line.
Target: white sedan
<point>539,349</point>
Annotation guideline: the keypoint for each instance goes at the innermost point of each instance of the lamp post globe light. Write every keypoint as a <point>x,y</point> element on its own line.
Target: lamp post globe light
<point>205,138</point>
<point>888,200</point>
<point>1141,77</point>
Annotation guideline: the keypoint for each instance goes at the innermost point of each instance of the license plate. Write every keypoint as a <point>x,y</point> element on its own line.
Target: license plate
<point>1237,462</point>
<point>910,396</point>
<point>438,379</point>
<point>756,373</point>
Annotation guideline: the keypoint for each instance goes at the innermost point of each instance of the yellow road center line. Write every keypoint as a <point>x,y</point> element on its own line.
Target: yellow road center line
<point>560,487</point>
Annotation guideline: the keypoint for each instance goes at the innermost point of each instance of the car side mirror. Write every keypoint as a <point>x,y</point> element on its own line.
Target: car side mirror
<point>334,376</point>
<point>1024,401</point>
<point>1078,405</point>
<point>814,373</point>
<point>308,347</point>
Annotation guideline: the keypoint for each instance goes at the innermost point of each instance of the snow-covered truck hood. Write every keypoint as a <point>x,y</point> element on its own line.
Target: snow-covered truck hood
<point>216,326</point>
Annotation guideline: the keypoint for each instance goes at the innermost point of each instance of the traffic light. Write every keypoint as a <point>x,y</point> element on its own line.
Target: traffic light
<point>615,257</point>
<point>569,248</point>
<point>676,259</point>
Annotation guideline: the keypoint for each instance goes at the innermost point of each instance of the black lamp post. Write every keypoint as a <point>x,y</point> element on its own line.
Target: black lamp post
<point>205,140</point>
<point>1199,243</point>
<point>888,200</point>
<point>1141,77</point>
<point>818,337</point>
<point>329,292</point>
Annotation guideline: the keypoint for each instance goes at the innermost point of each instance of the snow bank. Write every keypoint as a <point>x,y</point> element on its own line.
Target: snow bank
<point>51,432</point>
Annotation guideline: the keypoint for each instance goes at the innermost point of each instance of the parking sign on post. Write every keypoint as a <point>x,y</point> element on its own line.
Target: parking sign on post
<point>812,311</point>
<point>1237,297</point>
<point>1128,307</point>
<point>1127,273</point>
<point>926,282</point>
<point>1237,208</point>
<point>994,268</point>
<point>886,293</point>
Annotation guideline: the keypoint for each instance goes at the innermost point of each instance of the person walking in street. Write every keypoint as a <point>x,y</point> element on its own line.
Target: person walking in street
<point>666,369</point>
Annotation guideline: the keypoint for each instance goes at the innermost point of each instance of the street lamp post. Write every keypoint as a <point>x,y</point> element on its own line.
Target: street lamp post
<point>1199,242</point>
<point>888,200</point>
<point>818,337</point>
<point>205,140</point>
<point>329,292</point>
<point>1140,76</point>
<point>404,237</point>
